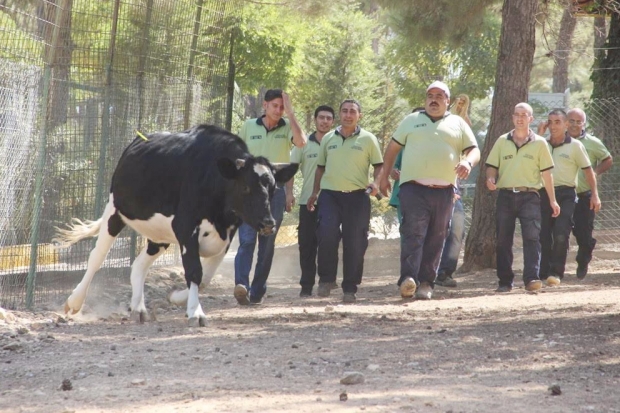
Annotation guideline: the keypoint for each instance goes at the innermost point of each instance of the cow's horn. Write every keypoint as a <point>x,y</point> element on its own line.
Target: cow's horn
<point>240,163</point>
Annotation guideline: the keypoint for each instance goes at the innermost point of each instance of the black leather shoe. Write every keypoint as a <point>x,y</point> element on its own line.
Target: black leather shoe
<point>582,271</point>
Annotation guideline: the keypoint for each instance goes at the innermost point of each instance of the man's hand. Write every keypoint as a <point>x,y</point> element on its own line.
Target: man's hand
<point>556,209</point>
<point>290,201</point>
<point>286,102</point>
<point>311,202</point>
<point>595,203</point>
<point>491,184</point>
<point>384,186</point>
<point>462,169</point>
<point>395,175</point>
<point>542,127</point>
<point>372,189</point>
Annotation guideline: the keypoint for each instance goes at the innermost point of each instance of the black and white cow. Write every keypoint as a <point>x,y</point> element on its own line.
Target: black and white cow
<point>191,188</point>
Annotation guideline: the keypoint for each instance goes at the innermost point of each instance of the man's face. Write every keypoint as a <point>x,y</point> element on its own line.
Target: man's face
<point>274,109</point>
<point>576,123</point>
<point>436,102</point>
<point>324,121</point>
<point>521,118</point>
<point>350,115</point>
<point>557,126</point>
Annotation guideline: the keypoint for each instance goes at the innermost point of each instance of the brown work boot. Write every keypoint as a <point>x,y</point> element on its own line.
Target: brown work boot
<point>533,285</point>
<point>407,288</point>
<point>552,281</point>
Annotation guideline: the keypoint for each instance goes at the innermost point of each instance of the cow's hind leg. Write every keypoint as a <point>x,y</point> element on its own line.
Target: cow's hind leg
<point>111,226</point>
<point>139,269</point>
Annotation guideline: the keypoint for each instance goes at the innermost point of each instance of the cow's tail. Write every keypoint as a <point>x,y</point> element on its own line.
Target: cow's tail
<point>75,232</point>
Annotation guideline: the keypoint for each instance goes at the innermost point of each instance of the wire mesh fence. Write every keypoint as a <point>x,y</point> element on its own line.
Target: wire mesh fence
<point>77,80</point>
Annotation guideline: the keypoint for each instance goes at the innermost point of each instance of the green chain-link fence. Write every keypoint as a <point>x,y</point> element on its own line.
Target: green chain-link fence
<point>78,78</point>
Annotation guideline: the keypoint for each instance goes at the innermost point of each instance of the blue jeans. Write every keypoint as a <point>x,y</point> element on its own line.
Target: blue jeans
<point>426,217</point>
<point>452,247</point>
<point>351,212</point>
<point>526,207</point>
<point>555,232</point>
<point>266,245</point>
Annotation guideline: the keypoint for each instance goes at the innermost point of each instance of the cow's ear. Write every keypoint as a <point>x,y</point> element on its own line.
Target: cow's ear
<point>229,168</point>
<point>285,171</point>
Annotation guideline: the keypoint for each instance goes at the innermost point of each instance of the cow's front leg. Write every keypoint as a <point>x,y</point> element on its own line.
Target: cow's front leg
<point>193,276</point>
<point>139,269</point>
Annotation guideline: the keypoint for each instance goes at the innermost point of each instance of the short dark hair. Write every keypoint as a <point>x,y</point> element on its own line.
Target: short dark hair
<point>558,112</point>
<point>324,108</point>
<point>272,94</point>
<point>359,107</point>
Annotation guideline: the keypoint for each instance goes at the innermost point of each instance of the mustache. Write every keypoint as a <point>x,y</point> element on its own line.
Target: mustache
<point>434,104</point>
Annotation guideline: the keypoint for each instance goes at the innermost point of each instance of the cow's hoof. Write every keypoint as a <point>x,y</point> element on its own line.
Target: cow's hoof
<point>69,310</point>
<point>200,321</point>
<point>139,316</point>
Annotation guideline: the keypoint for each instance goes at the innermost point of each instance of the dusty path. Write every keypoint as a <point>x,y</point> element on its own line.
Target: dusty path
<point>467,350</point>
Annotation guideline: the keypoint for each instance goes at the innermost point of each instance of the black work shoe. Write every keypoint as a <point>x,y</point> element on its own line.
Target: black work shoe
<point>446,281</point>
<point>256,301</point>
<point>349,298</point>
<point>241,294</point>
<point>324,289</point>
<point>582,271</point>
<point>305,292</point>
<point>503,289</point>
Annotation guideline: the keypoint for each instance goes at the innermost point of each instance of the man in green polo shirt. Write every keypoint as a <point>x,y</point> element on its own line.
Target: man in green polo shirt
<point>601,161</point>
<point>342,178</point>
<point>307,158</point>
<point>569,157</point>
<point>438,148</point>
<point>518,165</point>
<point>269,136</point>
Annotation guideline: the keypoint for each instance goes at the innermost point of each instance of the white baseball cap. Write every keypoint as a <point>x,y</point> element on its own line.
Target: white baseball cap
<point>441,86</point>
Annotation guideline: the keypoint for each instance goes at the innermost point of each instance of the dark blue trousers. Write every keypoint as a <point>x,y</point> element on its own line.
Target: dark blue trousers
<point>351,211</point>
<point>426,218</point>
<point>584,225</point>
<point>555,232</point>
<point>526,207</point>
<point>454,241</point>
<point>308,244</point>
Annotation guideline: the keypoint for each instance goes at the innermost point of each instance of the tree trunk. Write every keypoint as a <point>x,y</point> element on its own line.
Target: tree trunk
<point>562,52</point>
<point>514,64</point>
<point>600,34</point>
<point>606,75</point>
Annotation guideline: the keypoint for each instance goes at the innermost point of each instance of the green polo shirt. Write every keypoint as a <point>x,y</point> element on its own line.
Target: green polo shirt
<point>307,158</point>
<point>596,152</point>
<point>520,166</point>
<point>274,144</point>
<point>432,148</point>
<point>568,159</point>
<point>346,161</point>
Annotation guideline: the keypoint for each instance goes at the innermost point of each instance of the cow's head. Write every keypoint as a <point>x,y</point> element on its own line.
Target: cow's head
<point>254,184</point>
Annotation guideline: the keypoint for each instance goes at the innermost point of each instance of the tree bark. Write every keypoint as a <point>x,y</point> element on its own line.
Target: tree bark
<point>562,52</point>
<point>606,75</point>
<point>514,64</point>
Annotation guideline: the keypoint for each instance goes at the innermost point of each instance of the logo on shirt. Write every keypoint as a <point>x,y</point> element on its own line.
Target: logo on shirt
<point>254,137</point>
<point>312,155</point>
<point>564,155</point>
<point>420,125</point>
<point>528,156</point>
<point>332,147</point>
<point>507,157</point>
<point>357,148</point>
<point>280,136</point>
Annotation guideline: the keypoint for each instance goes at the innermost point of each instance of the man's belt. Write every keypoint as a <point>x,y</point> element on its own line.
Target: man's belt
<point>431,186</point>
<point>517,189</point>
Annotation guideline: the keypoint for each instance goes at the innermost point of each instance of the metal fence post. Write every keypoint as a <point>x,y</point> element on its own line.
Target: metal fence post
<point>42,155</point>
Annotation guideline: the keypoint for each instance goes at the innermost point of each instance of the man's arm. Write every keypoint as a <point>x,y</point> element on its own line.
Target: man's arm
<point>376,175</point>
<point>604,165</point>
<point>491,174</point>
<point>318,175</point>
<point>290,198</point>
<point>471,159</point>
<point>595,201</point>
<point>299,137</point>
<point>388,163</point>
<point>548,181</point>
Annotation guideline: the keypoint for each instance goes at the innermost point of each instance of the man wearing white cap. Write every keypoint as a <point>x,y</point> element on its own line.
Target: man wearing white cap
<point>438,149</point>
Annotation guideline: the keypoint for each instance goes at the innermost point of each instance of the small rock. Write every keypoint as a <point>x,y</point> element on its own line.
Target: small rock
<point>373,367</point>
<point>555,389</point>
<point>352,377</point>
<point>138,382</point>
<point>113,347</point>
<point>110,374</point>
<point>23,330</point>
<point>66,385</point>
<point>61,320</point>
<point>343,396</point>
<point>278,375</point>
<point>318,399</point>
<point>6,316</point>
<point>329,308</point>
<point>12,347</point>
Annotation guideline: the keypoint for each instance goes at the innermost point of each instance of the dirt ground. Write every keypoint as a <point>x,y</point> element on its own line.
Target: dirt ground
<point>467,350</point>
